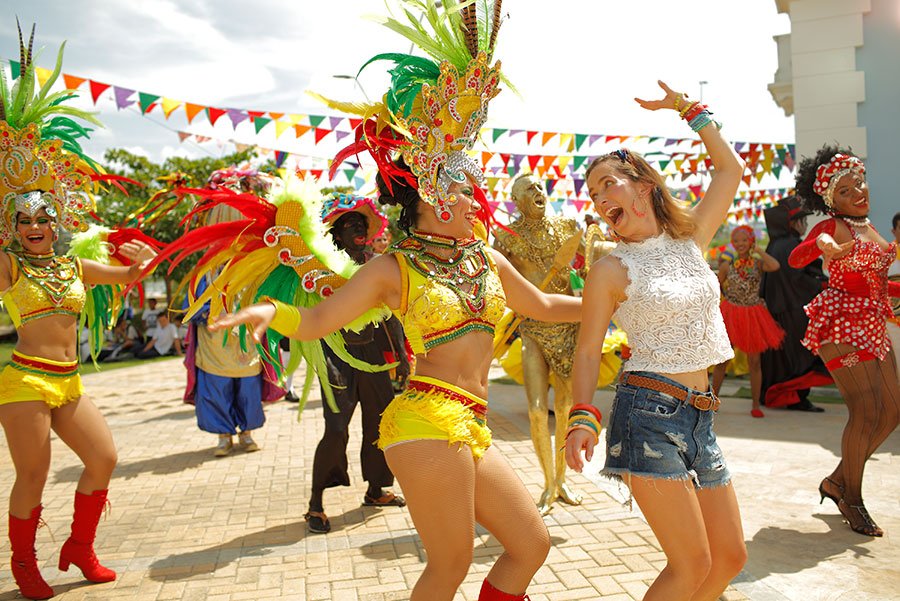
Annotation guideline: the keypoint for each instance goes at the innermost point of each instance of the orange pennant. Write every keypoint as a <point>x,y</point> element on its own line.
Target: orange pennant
<point>191,110</point>
<point>72,82</point>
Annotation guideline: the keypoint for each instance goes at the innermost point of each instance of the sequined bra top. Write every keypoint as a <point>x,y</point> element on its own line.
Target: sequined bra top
<point>671,313</point>
<point>445,298</point>
<point>40,291</point>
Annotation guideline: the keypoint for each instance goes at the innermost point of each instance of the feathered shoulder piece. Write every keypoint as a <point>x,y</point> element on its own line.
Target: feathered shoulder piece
<point>276,247</point>
<point>104,301</point>
<point>436,105</point>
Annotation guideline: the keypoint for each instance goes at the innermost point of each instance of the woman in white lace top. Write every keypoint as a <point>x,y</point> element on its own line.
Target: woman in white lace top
<point>661,292</point>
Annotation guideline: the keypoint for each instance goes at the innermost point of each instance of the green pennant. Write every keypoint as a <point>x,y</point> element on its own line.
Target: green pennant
<point>776,170</point>
<point>511,170</point>
<point>15,68</point>
<point>350,173</point>
<point>782,154</point>
<point>146,100</point>
<point>260,122</point>
<point>653,139</point>
<point>577,162</point>
<point>316,120</point>
<point>663,164</point>
<point>579,140</point>
<point>499,132</point>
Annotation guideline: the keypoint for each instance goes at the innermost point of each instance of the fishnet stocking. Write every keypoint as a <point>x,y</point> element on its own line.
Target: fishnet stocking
<point>870,390</point>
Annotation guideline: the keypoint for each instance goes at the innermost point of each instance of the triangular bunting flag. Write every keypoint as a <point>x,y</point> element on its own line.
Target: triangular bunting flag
<point>97,88</point>
<point>316,120</point>
<point>42,75</point>
<point>299,130</point>
<point>276,116</point>
<point>565,142</point>
<point>320,133</point>
<point>497,133</point>
<point>72,82</point>
<point>579,140</point>
<point>169,105</point>
<point>533,160</point>
<point>280,157</point>
<point>530,136</point>
<point>123,97</point>
<point>546,137</point>
<point>213,114</point>
<point>340,135</point>
<point>15,69</point>
<point>237,116</point>
<point>281,127</point>
<point>183,135</point>
<point>578,162</point>
<point>146,101</point>
<point>191,110</point>
<point>260,122</point>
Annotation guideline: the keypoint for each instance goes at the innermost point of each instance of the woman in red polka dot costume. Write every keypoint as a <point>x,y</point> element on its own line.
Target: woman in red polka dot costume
<point>847,321</point>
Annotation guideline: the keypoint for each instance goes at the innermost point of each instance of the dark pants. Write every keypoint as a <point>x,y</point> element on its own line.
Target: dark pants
<point>373,392</point>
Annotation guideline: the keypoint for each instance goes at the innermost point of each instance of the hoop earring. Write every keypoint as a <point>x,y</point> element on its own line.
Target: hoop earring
<point>637,211</point>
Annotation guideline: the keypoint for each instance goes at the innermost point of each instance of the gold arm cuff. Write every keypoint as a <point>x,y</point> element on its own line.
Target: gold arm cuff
<point>287,317</point>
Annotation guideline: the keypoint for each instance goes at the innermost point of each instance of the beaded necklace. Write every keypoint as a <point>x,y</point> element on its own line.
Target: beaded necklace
<point>856,221</point>
<point>55,277</point>
<point>744,267</point>
<point>460,265</point>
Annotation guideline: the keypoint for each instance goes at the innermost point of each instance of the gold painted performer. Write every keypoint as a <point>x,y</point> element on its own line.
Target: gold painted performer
<point>547,348</point>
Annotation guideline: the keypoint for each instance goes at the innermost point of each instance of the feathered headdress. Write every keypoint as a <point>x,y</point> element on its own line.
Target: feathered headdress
<point>42,164</point>
<point>279,248</point>
<point>436,105</point>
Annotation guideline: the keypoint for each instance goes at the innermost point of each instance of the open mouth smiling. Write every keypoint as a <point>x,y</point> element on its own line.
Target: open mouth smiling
<point>614,215</point>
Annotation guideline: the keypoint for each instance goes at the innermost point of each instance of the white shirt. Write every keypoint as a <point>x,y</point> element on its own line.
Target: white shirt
<point>164,338</point>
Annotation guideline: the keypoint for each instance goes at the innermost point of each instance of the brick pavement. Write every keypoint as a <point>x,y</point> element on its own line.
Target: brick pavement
<point>186,525</point>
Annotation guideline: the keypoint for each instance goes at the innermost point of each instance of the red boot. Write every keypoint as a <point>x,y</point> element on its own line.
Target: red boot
<point>24,559</point>
<point>79,548</point>
<point>491,593</point>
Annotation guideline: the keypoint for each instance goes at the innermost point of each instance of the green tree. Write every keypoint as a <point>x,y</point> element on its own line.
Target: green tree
<point>115,206</point>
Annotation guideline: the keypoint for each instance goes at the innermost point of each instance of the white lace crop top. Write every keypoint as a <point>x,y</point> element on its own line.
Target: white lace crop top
<point>671,316</point>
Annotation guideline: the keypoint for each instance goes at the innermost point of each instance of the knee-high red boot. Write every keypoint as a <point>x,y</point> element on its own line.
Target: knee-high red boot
<point>24,559</point>
<point>79,548</point>
<point>491,593</point>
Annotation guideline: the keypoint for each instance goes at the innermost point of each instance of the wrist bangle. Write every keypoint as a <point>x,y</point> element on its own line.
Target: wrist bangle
<point>287,317</point>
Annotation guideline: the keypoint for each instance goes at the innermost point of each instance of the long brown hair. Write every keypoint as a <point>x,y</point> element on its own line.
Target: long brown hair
<point>673,215</point>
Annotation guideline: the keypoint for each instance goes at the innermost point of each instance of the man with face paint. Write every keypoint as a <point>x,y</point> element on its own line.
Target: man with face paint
<point>354,222</point>
<point>547,348</point>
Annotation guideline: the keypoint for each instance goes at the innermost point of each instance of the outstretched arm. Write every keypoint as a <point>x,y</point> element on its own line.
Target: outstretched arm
<point>376,283</point>
<point>524,298</point>
<point>711,211</point>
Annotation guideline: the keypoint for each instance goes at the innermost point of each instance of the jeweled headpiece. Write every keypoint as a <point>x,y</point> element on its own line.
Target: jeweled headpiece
<point>435,107</point>
<point>42,164</point>
<point>828,174</point>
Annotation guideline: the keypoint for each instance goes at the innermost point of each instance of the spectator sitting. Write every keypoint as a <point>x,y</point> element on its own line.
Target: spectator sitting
<point>150,314</point>
<point>165,337</point>
<point>126,338</point>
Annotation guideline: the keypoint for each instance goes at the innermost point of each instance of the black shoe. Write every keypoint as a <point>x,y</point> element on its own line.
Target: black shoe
<point>805,405</point>
<point>290,397</point>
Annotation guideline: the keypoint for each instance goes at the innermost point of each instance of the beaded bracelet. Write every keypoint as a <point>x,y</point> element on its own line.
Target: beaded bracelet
<point>702,120</point>
<point>687,108</point>
<point>585,417</point>
<point>287,318</point>
<point>679,98</point>
<point>694,111</point>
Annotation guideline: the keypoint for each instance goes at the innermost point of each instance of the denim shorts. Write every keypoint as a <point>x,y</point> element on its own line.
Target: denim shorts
<point>654,435</point>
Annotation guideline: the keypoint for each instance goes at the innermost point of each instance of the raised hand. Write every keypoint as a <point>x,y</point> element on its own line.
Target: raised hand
<point>667,102</point>
<point>830,247</point>
<point>256,317</point>
<point>139,252</point>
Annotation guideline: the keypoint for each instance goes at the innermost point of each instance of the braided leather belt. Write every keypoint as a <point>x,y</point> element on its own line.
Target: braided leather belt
<point>701,402</point>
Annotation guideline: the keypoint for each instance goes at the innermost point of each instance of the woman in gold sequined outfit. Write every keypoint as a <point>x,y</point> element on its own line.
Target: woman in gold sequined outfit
<point>44,187</point>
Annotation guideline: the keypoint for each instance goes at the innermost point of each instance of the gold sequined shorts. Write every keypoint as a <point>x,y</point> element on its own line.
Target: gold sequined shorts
<point>431,409</point>
<point>28,378</point>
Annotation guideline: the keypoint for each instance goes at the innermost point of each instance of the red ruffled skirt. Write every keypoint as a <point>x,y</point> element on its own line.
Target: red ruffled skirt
<point>751,327</point>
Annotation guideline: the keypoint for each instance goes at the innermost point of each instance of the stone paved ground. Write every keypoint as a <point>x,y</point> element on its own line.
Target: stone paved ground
<point>185,525</point>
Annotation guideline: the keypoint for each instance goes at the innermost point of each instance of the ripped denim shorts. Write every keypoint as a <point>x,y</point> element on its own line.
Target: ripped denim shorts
<point>654,435</point>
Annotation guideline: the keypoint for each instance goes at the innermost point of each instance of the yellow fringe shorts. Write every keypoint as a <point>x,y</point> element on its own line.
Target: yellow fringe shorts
<point>28,378</point>
<point>431,409</point>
